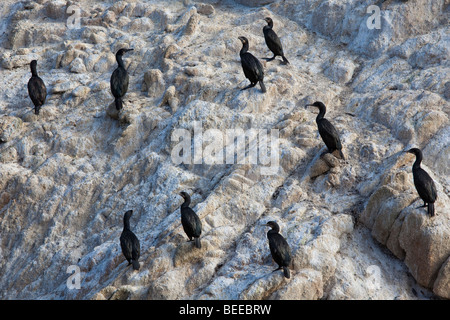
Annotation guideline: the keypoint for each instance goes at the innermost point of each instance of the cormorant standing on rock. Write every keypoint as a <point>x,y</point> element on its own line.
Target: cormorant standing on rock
<point>119,79</point>
<point>36,88</point>
<point>129,242</point>
<point>423,182</point>
<point>279,248</point>
<point>191,222</point>
<point>253,69</point>
<point>273,42</point>
<point>327,131</point>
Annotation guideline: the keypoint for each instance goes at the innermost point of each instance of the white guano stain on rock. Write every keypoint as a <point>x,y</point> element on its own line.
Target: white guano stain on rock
<point>68,175</point>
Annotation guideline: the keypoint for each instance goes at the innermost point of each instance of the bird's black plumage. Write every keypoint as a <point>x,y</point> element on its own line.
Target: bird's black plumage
<point>279,248</point>
<point>129,243</point>
<point>327,131</point>
<point>36,88</point>
<point>190,221</point>
<point>423,182</point>
<point>253,69</point>
<point>273,41</point>
<point>119,80</point>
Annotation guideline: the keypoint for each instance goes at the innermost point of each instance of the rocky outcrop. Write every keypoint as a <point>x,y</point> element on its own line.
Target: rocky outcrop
<point>69,174</point>
<point>396,222</point>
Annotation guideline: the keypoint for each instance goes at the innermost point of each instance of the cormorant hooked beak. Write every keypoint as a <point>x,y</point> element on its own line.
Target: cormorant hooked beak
<point>412,150</point>
<point>122,51</point>
<point>310,105</point>
<point>183,194</point>
<point>317,104</point>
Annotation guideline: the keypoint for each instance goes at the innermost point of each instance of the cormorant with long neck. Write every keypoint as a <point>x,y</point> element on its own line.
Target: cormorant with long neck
<point>192,225</point>
<point>253,69</point>
<point>36,88</point>
<point>119,79</point>
<point>327,131</point>
<point>273,42</point>
<point>129,242</point>
<point>424,184</point>
<point>279,248</point>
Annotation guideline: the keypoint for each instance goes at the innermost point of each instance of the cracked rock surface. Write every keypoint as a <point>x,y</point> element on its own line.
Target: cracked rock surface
<point>69,174</point>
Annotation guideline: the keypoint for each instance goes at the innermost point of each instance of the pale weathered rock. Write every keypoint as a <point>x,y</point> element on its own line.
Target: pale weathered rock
<point>442,284</point>
<point>69,174</point>
<point>77,66</point>
<point>340,70</point>
<point>171,49</point>
<point>81,92</point>
<point>192,24</point>
<point>16,61</point>
<point>112,112</point>
<point>169,97</point>
<point>10,127</point>
<point>378,198</point>
<point>154,82</point>
<point>68,57</point>
<point>323,164</point>
<point>424,244</point>
<point>109,17</point>
<point>410,234</point>
<point>306,285</point>
<point>262,288</point>
<point>205,8</point>
<point>9,155</point>
<point>62,87</point>
<point>56,9</point>
<point>388,212</point>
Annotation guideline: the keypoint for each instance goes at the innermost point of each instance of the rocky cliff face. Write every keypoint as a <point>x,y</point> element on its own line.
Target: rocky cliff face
<point>69,174</point>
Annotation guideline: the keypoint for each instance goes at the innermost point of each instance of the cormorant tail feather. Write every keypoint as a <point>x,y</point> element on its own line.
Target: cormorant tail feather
<point>197,243</point>
<point>263,87</point>
<point>119,103</point>
<point>431,209</point>
<point>287,272</point>
<point>136,264</point>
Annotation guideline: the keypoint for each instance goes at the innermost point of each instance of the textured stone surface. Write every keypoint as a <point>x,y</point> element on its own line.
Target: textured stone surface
<point>68,175</point>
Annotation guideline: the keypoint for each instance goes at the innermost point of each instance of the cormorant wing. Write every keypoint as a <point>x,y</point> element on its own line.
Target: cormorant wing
<point>329,135</point>
<point>273,41</point>
<point>425,185</point>
<point>119,82</point>
<point>37,91</point>
<point>136,252</point>
<point>253,69</point>
<point>126,245</point>
<point>279,249</point>
<point>191,222</point>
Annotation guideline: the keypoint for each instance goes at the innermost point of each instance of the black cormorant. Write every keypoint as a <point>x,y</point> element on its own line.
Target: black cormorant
<point>191,222</point>
<point>273,42</point>
<point>36,88</point>
<point>253,69</point>
<point>327,131</point>
<point>423,182</point>
<point>129,242</point>
<point>119,79</point>
<point>279,248</point>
